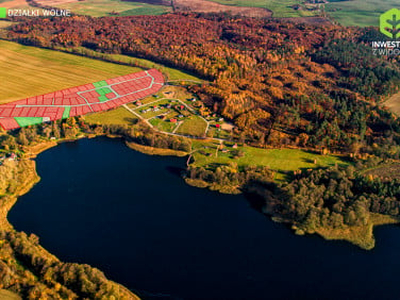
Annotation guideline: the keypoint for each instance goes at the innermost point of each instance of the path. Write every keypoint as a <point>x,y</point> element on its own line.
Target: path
<point>176,128</point>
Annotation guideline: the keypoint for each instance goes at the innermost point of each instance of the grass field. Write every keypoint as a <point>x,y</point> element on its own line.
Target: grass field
<point>281,160</point>
<point>117,116</point>
<point>360,12</point>
<point>99,8</point>
<point>280,8</point>
<point>193,125</point>
<point>172,74</point>
<point>28,71</point>
<point>163,125</point>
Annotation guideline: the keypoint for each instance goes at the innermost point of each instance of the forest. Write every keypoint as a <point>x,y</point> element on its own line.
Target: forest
<point>282,84</point>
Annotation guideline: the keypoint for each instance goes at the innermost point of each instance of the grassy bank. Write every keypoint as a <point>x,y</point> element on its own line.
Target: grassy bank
<point>361,236</point>
<point>155,151</point>
<point>16,179</point>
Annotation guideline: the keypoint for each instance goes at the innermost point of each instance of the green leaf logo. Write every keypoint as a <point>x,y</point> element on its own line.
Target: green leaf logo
<point>390,23</point>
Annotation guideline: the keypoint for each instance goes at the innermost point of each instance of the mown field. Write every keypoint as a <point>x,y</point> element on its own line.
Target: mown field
<point>28,71</point>
<point>118,116</point>
<point>280,8</point>
<point>99,8</point>
<point>193,125</point>
<point>360,12</point>
<point>284,161</point>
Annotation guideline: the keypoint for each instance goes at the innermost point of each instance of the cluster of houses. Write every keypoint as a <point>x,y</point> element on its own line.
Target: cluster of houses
<point>156,108</point>
<point>10,156</point>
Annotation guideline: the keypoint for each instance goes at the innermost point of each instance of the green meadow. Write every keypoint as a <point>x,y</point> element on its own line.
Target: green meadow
<point>284,161</point>
<point>360,12</point>
<point>280,8</point>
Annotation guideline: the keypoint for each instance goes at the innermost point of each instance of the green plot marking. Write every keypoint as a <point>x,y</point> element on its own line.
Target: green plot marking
<point>103,99</point>
<point>100,83</point>
<point>26,121</point>
<point>103,92</point>
<point>66,112</point>
<point>3,12</point>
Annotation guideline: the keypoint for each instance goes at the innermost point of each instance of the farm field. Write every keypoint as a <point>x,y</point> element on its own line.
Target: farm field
<point>80,100</point>
<point>393,104</point>
<point>171,73</point>
<point>279,8</point>
<point>216,7</point>
<point>15,4</point>
<point>30,71</point>
<point>5,24</point>
<point>100,8</point>
<point>359,12</point>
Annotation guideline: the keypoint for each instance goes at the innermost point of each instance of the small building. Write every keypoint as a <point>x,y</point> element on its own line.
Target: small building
<point>180,116</point>
<point>217,126</point>
<point>12,156</point>
<point>235,146</point>
<point>173,120</point>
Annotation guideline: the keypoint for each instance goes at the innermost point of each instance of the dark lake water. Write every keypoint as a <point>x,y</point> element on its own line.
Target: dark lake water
<point>133,217</point>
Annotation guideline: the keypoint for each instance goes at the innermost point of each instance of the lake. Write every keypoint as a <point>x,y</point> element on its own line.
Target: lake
<point>132,216</point>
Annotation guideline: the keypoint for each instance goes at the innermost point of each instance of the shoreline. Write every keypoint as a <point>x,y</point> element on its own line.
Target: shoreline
<point>362,236</point>
<point>27,166</point>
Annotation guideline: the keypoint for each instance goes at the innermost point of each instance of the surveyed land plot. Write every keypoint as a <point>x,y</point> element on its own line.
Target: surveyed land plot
<point>80,100</point>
